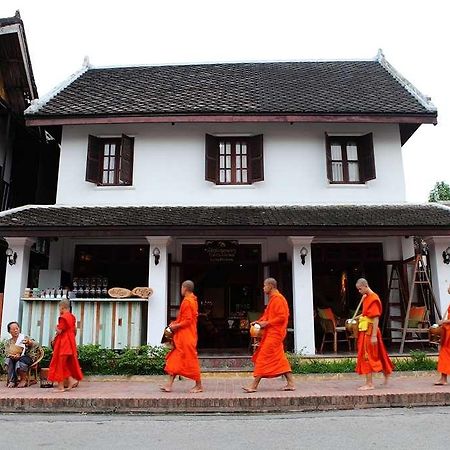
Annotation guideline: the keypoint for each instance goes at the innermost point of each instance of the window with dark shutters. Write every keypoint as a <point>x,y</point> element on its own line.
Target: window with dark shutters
<point>367,157</point>
<point>126,160</point>
<point>350,159</point>
<point>110,161</point>
<point>93,160</point>
<point>256,158</point>
<point>234,160</point>
<point>211,158</point>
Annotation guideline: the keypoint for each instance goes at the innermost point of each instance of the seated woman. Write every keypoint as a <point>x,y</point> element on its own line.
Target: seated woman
<point>20,353</point>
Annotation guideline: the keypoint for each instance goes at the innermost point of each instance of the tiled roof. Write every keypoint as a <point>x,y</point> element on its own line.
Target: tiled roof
<point>145,218</point>
<point>334,87</point>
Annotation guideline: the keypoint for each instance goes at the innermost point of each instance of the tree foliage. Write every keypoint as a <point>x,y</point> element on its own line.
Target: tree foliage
<point>440,192</point>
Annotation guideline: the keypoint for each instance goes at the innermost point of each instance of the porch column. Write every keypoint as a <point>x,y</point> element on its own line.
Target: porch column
<point>303,312</point>
<point>157,280</point>
<point>440,272</point>
<point>16,279</point>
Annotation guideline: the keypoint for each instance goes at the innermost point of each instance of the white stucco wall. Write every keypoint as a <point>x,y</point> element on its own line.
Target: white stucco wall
<point>169,166</point>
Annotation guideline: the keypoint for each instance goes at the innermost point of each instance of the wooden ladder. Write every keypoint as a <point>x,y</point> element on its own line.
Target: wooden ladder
<point>419,279</point>
<point>396,299</point>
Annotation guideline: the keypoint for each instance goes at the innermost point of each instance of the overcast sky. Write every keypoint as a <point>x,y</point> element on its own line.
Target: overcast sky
<point>411,33</point>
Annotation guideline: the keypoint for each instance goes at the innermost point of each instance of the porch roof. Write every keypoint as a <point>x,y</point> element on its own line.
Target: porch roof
<point>307,220</point>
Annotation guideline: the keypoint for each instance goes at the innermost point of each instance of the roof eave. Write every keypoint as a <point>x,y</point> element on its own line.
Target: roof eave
<point>41,120</point>
<point>226,230</point>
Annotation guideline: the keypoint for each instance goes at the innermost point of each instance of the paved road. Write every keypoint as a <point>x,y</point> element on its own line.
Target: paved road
<point>364,429</point>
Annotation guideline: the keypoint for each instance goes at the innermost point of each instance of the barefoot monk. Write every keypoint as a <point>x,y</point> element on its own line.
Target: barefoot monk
<point>372,355</point>
<point>182,359</point>
<point>269,358</point>
<point>64,366</point>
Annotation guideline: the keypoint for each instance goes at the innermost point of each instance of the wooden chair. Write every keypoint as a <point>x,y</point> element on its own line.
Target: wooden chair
<point>418,323</point>
<point>33,369</point>
<point>328,323</point>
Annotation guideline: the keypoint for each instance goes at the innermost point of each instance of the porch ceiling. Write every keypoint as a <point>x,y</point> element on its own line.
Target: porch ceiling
<point>311,220</point>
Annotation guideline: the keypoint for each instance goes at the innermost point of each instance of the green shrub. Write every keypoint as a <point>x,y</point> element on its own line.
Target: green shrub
<point>302,365</point>
<point>417,361</point>
<point>95,360</point>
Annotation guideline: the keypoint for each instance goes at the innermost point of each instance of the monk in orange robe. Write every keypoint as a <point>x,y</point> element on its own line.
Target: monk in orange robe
<point>444,352</point>
<point>372,354</point>
<point>269,358</point>
<point>64,366</point>
<point>182,359</point>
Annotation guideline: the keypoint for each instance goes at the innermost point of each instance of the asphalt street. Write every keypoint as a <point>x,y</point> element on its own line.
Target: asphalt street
<point>361,429</point>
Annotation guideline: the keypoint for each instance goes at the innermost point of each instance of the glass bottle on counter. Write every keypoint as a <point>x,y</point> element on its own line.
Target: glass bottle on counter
<point>105,287</point>
<point>75,288</point>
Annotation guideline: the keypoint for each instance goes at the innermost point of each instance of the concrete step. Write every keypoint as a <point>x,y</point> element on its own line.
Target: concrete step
<point>226,363</point>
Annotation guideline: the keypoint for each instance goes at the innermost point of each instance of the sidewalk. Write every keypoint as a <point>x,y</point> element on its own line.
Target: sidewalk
<point>223,394</point>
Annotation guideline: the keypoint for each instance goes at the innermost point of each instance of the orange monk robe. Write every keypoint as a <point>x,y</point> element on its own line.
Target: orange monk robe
<point>372,358</point>
<point>269,358</point>
<point>182,359</point>
<point>444,353</point>
<point>64,361</point>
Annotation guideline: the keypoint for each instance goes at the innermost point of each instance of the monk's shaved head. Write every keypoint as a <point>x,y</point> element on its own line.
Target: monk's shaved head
<point>64,304</point>
<point>271,281</point>
<point>188,285</point>
<point>362,282</point>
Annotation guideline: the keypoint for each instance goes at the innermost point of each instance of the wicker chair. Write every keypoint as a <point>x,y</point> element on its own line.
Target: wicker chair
<point>33,369</point>
<point>329,327</point>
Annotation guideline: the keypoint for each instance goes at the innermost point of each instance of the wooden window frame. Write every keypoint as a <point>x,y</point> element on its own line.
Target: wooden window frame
<point>234,141</point>
<point>116,157</point>
<point>366,160</point>
<point>255,161</point>
<point>96,157</point>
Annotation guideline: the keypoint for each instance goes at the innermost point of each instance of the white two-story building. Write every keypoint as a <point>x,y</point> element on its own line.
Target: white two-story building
<point>224,174</point>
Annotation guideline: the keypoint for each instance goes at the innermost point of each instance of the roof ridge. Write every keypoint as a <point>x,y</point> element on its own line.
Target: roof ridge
<point>39,103</point>
<point>424,100</point>
<point>225,63</point>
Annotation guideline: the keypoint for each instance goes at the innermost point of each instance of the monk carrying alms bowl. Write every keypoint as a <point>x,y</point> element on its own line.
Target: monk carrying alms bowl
<point>435,333</point>
<point>351,326</point>
<point>256,333</point>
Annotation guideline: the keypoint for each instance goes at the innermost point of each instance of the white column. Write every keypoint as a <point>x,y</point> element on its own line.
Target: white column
<point>303,312</point>
<point>158,281</point>
<point>440,272</point>
<point>15,281</point>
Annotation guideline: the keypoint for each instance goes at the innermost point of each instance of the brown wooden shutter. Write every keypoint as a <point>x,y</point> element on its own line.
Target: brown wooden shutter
<point>211,158</point>
<point>93,160</point>
<point>126,160</point>
<point>329,162</point>
<point>366,157</point>
<point>256,158</point>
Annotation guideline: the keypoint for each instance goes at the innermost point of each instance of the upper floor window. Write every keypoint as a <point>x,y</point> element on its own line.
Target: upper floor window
<point>110,161</point>
<point>350,159</point>
<point>234,160</point>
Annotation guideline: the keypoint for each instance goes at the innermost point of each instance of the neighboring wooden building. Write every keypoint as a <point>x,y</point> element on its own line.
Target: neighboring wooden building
<point>226,174</point>
<point>28,156</point>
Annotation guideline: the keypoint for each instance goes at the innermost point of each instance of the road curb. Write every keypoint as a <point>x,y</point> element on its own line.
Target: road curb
<point>238,404</point>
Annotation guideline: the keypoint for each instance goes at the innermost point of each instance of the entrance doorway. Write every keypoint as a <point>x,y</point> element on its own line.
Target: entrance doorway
<point>228,283</point>
<point>336,268</point>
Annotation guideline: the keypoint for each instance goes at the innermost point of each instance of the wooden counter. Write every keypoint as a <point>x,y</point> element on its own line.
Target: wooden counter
<point>109,322</point>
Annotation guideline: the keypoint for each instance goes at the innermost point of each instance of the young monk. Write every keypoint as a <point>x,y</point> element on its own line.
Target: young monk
<point>270,359</point>
<point>182,359</point>
<point>444,353</point>
<point>64,366</point>
<point>372,355</point>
